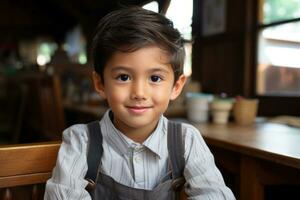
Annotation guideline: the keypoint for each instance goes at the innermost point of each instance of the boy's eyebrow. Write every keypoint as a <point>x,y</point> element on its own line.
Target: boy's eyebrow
<point>119,68</point>
<point>155,69</point>
<point>159,70</point>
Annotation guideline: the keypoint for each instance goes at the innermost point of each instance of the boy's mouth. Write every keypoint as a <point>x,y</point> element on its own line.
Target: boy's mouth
<point>138,109</point>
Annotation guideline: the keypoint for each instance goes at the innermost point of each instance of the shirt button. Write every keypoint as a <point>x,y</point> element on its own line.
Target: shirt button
<point>138,148</point>
<point>137,159</point>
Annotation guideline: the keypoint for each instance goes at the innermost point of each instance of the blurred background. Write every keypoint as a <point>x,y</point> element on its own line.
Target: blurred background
<point>248,48</point>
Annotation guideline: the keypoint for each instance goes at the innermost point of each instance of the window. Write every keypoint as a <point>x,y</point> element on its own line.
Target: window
<point>183,23</point>
<point>278,56</point>
<point>153,6</point>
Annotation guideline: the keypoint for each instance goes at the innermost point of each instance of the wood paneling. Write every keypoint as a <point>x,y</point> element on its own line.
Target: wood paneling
<point>218,60</point>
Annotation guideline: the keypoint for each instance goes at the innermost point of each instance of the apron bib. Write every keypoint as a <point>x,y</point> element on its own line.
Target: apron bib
<point>103,187</point>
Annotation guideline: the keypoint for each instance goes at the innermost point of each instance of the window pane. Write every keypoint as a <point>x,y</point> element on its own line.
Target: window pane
<point>183,23</point>
<point>278,69</point>
<point>278,10</point>
<point>153,6</point>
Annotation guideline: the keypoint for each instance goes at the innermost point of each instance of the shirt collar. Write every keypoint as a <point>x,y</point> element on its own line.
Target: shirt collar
<point>113,136</point>
<point>123,144</point>
<point>155,142</point>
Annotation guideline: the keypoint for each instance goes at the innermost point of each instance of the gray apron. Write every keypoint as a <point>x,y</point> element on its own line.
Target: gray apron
<point>103,187</point>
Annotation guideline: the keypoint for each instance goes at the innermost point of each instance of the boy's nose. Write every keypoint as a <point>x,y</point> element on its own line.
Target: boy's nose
<point>139,90</point>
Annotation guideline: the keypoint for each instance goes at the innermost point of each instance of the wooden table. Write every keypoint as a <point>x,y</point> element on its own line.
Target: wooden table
<point>260,155</point>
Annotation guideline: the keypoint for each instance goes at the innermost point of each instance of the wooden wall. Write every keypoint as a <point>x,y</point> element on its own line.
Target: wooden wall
<point>219,61</point>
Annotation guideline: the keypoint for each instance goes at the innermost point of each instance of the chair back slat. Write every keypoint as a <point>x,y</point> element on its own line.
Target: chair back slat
<point>27,164</point>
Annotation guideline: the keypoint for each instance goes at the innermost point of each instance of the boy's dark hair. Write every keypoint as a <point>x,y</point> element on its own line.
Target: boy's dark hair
<point>130,29</point>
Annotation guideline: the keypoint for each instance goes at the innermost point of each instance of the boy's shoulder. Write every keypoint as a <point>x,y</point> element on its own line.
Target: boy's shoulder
<point>76,133</point>
<point>192,140</point>
<point>188,130</point>
<point>76,128</point>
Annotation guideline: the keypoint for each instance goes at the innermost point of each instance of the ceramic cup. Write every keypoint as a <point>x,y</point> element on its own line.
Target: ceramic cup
<point>198,107</point>
<point>220,110</point>
<point>245,111</point>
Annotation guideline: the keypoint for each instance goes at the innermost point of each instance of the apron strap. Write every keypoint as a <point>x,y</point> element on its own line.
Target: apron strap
<point>176,154</point>
<point>95,150</point>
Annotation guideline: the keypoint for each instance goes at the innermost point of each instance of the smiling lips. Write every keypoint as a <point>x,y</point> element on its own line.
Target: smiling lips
<point>138,109</point>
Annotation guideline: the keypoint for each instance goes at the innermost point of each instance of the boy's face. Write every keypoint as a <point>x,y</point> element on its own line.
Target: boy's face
<point>138,86</point>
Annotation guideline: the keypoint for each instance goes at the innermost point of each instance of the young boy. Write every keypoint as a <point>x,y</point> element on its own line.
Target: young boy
<point>134,152</point>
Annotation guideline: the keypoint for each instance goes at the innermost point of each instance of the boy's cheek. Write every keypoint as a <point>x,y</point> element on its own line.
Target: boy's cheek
<point>162,96</point>
<point>117,95</point>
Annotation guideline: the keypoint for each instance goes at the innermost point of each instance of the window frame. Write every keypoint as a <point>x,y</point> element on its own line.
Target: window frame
<point>270,105</point>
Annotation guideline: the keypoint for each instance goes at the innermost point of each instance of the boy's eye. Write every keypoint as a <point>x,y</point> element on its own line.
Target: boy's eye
<point>155,79</point>
<point>123,77</point>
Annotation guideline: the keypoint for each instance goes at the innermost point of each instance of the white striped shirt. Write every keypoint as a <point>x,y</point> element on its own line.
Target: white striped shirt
<point>133,164</point>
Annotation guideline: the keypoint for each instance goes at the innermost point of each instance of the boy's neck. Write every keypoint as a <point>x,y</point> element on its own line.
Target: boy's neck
<point>138,135</point>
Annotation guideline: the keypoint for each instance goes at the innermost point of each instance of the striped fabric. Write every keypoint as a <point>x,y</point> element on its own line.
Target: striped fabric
<point>133,164</point>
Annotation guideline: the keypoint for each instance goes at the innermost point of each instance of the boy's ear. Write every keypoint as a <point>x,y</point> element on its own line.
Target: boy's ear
<point>98,84</point>
<point>177,88</point>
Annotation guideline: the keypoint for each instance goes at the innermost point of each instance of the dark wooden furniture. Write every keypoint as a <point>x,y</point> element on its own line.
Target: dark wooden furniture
<point>45,118</point>
<point>24,170</point>
<point>258,157</point>
<point>13,98</point>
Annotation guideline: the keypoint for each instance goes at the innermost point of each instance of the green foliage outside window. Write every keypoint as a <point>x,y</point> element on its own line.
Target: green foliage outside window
<point>277,10</point>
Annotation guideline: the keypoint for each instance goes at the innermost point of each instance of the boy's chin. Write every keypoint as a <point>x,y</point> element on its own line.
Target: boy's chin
<point>138,122</point>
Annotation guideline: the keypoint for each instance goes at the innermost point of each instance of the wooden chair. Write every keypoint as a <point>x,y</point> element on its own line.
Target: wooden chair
<point>51,108</point>
<point>13,99</point>
<point>25,169</point>
<point>45,114</point>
